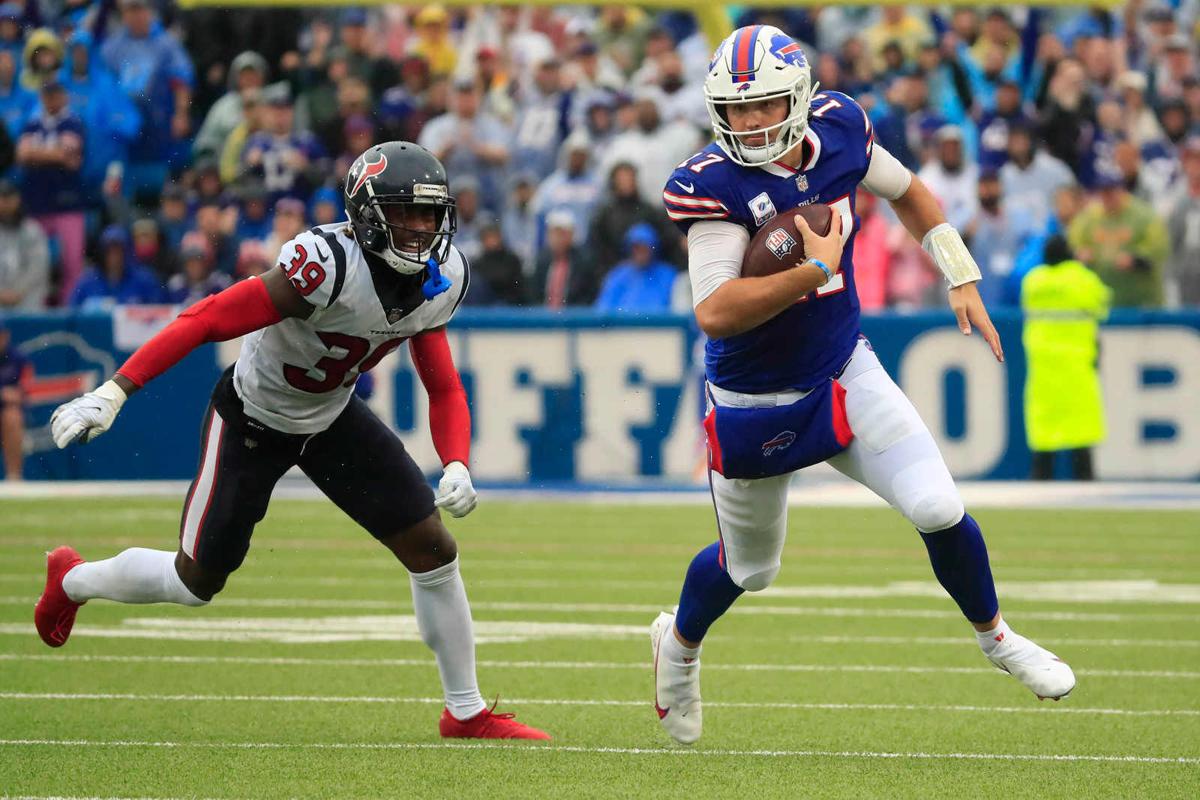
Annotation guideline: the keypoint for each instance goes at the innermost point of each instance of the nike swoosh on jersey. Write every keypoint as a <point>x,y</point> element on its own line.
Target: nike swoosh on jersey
<point>687,187</point>
<point>324,256</point>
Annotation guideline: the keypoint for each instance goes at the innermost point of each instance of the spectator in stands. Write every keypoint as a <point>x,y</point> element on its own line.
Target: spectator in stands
<point>326,206</point>
<point>15,374</point>
<point>641,282</point>
<point>148,249</point>
<point>357,45</point>
<point>652,146</point>
<point>469,142</point>
<point>542,119</point>
<point>994,240</point>
<point>565,274</point>
<point>1064,302</point>
<point>252,259</point>
<point>995,125</point>
<point>287,224</point>
<point>1122,239</point>
<point>1068,202</point>
<point>24,256</point>
<point>254,218</point>
<point>50,154</point>
<point>197,280</point>
<point>1183,227</point>
<point>904,120</point>
<point>432,40</point>
<point>899,25</point>
<point>497,276</point>
<point>1176,67</point>
<point>358,135</point>
<point>600,124</point>
<point>621,209</point>
<point>1033,175</point>
<point>173,218</point>
<point>1141,124</point>
<point>573,186</point>
<point>1176,121</point>
<point>17,103</point>
<point>285,159</point>
<point>465,190</point>
<point>872,253</point>
<point>118,280</point>
<point>217,223</point>
<point>400,108</point>
<point>952,179</point>
<point>247,75</point>
<point>1068,118</point>
<point>110,118</point>
<point>254,116</point>
<point>496,85</point>
<point>519,224</point>
<point>42,58</point>
<point>12,29</point>
<point>154,70</point>
<point>206,182</point>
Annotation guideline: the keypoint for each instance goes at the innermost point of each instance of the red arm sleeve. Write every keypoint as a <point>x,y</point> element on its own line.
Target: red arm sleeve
<point>449,417</point>
<point>240,309</point>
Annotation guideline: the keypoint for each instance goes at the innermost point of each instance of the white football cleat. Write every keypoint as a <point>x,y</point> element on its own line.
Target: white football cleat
<point>676,685</point>
<point>1042,672</point>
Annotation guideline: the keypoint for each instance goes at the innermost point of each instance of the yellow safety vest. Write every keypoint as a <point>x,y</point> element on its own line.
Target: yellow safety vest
<point>1064,305</point>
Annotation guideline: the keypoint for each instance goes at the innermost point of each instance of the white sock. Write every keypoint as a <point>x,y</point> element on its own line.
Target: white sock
<point>990,640</point>
<point>444,619</point>
<point>136,575</point>
<point>675,653</point>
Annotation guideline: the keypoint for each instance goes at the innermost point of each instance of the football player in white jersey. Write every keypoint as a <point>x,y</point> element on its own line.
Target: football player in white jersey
<point>791,380</point>
<point>342,297</point>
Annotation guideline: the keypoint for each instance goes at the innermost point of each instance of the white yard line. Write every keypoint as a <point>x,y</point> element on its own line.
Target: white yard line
<point>635,665</point>
<point>510,750</point>
<point>400,700</point>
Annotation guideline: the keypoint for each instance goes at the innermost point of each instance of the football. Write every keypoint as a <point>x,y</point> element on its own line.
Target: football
<point>778,245</point>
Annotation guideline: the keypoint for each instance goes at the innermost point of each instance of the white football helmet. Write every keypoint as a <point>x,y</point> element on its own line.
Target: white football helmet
<point>755,63</point>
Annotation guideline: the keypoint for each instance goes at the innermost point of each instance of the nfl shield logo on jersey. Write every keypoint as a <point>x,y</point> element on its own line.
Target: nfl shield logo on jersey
<point>802,182</point>
<point>780,242</point>
<point>762,208</point>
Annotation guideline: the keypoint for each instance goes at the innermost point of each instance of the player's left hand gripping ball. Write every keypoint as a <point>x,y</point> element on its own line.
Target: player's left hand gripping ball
<point>455,492</point>
<point>88,416</point>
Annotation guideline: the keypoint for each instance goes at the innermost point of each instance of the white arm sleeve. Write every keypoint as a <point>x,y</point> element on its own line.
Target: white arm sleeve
<point>715,251</point>
<point>886,177</point>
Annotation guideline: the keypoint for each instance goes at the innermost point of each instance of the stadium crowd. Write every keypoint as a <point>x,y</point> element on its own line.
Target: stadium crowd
<point>154,155</point>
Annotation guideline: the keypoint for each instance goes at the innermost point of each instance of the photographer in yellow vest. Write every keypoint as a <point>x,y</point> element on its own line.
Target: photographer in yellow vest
<point>1064,303</point>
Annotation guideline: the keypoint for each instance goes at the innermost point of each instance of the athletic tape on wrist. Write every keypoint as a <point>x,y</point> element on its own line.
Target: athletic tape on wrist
<point>947,249</point>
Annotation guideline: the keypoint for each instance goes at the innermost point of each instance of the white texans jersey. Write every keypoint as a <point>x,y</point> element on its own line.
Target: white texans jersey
<point>298,375</point>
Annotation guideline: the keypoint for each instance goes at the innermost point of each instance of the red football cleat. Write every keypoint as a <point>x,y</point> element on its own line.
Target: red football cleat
<point>487,725</point>
<point>54,613</point>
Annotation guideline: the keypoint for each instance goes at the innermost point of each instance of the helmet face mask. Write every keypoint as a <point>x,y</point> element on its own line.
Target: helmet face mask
<point>757,63</point>
<point>400,207</point>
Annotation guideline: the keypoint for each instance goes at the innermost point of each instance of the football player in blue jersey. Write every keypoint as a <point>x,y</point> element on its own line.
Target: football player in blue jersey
<point>791,380</point>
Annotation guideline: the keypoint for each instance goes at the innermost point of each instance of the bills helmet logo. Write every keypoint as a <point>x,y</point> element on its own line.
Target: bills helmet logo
<point>366,170</point>
<point>780,242</point>
<point>781,441</point>
<point>788,50</point>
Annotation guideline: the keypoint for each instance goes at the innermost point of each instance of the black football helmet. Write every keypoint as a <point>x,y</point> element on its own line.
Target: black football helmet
<point>409,176</point>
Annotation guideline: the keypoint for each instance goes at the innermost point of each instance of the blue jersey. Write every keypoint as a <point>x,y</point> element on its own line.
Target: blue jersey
<point>809,342</point>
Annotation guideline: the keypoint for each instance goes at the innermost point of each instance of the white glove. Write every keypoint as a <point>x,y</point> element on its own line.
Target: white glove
<point>88,416</point>
<point>455,492</point>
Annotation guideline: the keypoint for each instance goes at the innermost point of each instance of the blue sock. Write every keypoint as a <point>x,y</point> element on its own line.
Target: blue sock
<point>960,562</point>
<point>708,592</point>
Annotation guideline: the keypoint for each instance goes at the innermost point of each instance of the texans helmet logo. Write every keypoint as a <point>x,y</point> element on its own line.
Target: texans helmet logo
<point>368,170</point>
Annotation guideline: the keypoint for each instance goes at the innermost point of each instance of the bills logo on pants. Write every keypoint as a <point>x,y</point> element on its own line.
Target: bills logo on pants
<point>781,442</point>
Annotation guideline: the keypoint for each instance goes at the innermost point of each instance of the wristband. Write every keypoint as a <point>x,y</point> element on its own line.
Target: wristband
<point>945,246</point>
<point>816,262</point>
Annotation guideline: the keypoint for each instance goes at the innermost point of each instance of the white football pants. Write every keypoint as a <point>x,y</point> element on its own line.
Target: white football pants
<point>892,454</point>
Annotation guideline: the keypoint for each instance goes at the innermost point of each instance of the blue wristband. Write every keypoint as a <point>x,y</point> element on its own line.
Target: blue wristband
<point>823,267</point>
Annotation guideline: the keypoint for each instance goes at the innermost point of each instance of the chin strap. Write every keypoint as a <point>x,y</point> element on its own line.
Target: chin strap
<point>436,283</point>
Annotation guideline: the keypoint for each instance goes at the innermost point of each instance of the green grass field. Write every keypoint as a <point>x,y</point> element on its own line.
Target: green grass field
<point>851,678</point>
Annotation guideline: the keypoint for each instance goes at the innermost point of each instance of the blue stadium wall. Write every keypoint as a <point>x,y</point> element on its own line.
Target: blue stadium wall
<point>579,399</point>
